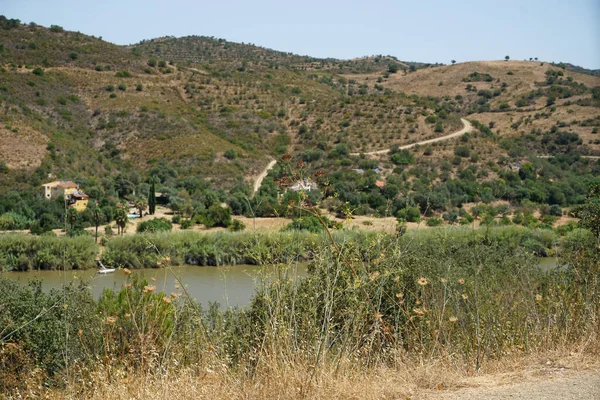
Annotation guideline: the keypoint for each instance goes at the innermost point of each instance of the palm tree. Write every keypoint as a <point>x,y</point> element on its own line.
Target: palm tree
<point>71,217</point>
<point>97,218</point>
<point>121,219</point>
<point>141,204</point>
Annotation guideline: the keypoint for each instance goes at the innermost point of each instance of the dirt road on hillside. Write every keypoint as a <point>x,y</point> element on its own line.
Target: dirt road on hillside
<point>467,128</point>
<point>262,176</point>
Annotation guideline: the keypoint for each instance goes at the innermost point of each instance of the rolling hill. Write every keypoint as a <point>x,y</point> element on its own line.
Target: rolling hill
<point>206,116</point>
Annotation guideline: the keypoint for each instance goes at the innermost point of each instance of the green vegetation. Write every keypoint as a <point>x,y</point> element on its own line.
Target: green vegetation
<point>155,225</point>
<point>233,107</point>
<point>24,252</point>
<point>444,291</point>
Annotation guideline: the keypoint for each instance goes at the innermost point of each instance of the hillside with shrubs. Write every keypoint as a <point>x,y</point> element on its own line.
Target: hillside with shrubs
<point>202,117</point>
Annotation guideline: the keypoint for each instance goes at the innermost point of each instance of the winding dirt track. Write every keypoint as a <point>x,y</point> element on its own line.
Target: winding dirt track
<point>262,176</point>
<point>467,128</point>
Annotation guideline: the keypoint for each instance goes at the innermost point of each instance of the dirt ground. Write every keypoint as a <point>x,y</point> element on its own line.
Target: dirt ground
<point>549,381</point>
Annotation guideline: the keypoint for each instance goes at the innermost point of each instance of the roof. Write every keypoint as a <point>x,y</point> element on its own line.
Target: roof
<point>63,184</point>
<point>379,184</point>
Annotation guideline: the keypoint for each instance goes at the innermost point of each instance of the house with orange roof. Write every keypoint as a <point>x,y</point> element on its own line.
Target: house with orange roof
<point>67,190</point>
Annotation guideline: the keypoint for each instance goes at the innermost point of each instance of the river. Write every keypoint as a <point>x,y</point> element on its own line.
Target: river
<point>228,285</point>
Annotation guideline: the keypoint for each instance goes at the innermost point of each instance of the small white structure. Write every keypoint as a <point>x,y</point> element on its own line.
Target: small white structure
<point>303,184</point>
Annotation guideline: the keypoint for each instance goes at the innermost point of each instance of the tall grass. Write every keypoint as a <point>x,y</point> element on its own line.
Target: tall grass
<point>226,248</point>
<point>21,252</point>
<point>370,302</point>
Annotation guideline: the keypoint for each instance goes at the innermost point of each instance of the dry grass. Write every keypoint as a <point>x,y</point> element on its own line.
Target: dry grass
<point>425,82</point>
<point>24,148</point>
<point>333,381</point>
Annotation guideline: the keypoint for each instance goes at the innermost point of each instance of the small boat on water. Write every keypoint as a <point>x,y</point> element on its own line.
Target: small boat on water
<point>104,270</point>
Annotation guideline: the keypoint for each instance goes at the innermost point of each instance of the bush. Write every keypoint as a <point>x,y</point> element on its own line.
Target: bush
<point>462,151</point>
<point>555,210</point>
<point>230,154</point>
<point>409,214</point>
<point>123,74</point>
<point>434,221</point>
<point>393,68</point>
<point>186,224</point>
<point>216,215</point>
<point>155,225</point>
<point>308,223</point>
<point>38,71</point>
<point>237,226</point>
<point>122,87</point>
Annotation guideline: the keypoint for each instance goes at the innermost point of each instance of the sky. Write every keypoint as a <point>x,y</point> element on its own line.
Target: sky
<point>418,30</point>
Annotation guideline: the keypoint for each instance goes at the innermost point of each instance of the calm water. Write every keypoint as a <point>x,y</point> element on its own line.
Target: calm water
<point>228,285</point>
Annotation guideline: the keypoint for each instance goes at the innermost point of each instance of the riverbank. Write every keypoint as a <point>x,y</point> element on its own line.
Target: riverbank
<point>20,252</point>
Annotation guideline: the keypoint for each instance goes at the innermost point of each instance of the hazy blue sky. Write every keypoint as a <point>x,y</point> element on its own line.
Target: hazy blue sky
<point>417,30</point>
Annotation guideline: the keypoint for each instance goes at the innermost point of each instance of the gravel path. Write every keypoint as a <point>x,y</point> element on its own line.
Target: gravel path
<point>262,176</point>
<point>553,383</point>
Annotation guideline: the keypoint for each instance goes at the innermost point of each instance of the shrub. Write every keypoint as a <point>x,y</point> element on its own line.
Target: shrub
<point>230,154</point>
<point>123,74</point>
<point>434,221</point>
<point>155,225</point>
<point>462,151</point>
<point>237,226</point>
<point>216,215</point>
<point>122,87</point>
<point>555,210</point>
<point>38,71</point>
<point>409,214</point>
<point>308,223</point>
<point>56,29</point>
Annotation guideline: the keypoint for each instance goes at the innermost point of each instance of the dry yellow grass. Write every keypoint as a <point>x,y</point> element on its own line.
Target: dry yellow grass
<point>426,82</point>
<point>277,380</point>
<point>22,149</point>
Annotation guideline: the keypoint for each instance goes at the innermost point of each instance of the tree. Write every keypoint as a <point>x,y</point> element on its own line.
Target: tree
<point>121,219</point>
<point>71,217</point>
<point>507,58</point>
<point>589,213</point>
<point>393,68</point>
<point>141,204</point>
<point>152,197</point>
<point>97,218</point>
<point>453,62</point>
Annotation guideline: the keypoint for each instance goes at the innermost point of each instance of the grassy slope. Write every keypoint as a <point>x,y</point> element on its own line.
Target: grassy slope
<point>211,96</point>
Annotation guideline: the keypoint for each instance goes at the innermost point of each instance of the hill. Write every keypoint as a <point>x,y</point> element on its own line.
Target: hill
<point>205,116</point>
